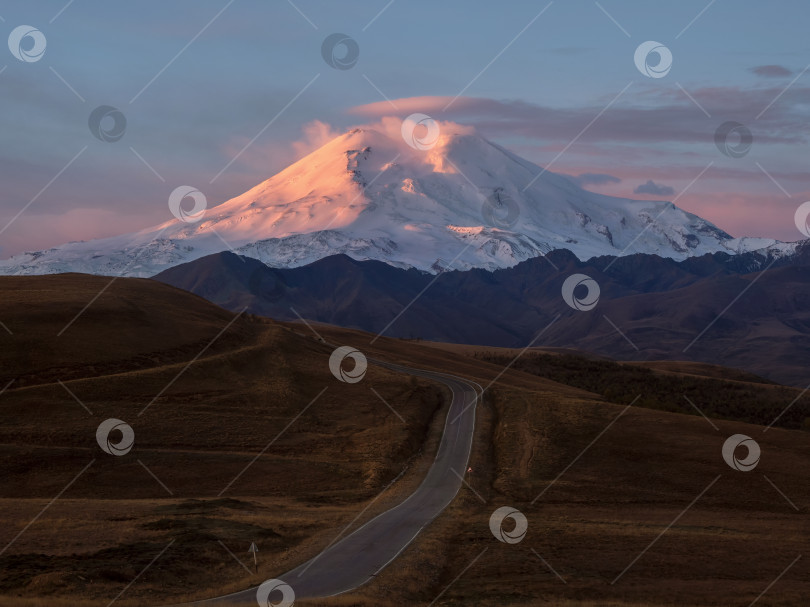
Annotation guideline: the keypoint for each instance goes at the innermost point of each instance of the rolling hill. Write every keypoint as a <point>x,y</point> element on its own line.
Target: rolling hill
<point>746,311</point>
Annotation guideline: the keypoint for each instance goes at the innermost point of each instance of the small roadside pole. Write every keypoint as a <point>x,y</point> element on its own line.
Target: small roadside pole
<point>254,550</point>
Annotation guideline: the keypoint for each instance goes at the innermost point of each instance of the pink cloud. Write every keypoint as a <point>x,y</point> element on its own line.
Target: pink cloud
<point>316,134</point>
<point>392,127</point>
<point>666,118</point>
<point>265,158</point>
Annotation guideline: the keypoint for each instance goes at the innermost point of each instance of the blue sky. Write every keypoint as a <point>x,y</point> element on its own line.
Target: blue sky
<point>546,84</point>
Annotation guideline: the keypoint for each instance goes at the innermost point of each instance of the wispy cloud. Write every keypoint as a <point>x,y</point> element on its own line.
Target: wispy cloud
<point>771,71</point>
<point>652,117</point>
<point>654,189</point>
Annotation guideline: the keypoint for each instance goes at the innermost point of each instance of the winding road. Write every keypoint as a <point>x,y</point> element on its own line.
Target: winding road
<point>361,555</point>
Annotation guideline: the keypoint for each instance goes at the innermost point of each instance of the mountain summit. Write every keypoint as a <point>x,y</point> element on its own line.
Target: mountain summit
<point>465,202</point>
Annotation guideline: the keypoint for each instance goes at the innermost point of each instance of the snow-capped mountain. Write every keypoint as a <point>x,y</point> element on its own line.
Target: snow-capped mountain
<point>463,203</point>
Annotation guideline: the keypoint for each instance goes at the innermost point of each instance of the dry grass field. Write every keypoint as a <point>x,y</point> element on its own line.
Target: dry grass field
<point>199,440</point>
<point>597,481</point>
<point>610,480</point>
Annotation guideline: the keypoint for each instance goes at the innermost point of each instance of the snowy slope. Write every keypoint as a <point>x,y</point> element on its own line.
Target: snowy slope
<point>464,203</point>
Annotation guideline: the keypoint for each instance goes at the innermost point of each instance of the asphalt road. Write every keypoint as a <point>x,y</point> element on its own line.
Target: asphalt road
<point>358,557</point>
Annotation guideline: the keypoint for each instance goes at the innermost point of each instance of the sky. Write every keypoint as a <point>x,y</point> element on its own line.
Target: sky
<point>222,94</point>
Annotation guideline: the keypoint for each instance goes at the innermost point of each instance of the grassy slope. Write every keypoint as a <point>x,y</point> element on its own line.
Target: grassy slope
<point>690,389</point>
<point>227,407</point>
<point>610,480</point>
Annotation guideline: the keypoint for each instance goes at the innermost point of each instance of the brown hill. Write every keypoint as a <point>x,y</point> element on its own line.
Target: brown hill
<point>229,386</point>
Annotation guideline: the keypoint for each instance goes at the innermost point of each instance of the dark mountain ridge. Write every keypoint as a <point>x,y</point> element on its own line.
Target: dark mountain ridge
<point>750,311</point>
